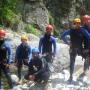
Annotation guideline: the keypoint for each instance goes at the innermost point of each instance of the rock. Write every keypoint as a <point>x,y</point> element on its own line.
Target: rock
<point>66,74</point>
<point>33,12</point>
<point>24,87</point>
<point>85,79</point>
<point>74,78</point>
<point>18,87</point>
<point>65,71</point>
<point>80,83</point>
<point>61,76</point>
<point>51,68</point>
<point>14,78</point>
<point>63,57</point>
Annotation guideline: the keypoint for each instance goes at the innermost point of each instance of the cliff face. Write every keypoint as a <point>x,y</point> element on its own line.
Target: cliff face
<point>33,12</point>
<point>56,12</point>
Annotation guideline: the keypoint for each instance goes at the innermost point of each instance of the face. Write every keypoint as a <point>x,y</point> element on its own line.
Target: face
<point>75,25</point>
<point>24,41</point>
<point>35,55</point>
<point>2,37</point>
<point>88,23</point>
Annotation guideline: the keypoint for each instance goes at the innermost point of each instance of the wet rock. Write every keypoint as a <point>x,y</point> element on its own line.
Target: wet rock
<point>14,78</point>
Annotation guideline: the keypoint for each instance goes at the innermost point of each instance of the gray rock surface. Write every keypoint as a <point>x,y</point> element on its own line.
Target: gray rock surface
<point>58,79</point>
<point>33,12</point>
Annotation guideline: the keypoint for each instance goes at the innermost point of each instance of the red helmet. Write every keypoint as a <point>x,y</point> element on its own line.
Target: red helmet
<point>2,32</point>
<point>85,18</point>
<point>49,28</point>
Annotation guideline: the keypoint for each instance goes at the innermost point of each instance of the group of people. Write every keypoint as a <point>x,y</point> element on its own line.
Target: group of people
<point>79,43</point>
<point>38,69</point>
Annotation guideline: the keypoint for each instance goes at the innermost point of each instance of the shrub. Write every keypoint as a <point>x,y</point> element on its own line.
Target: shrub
<point>30,29</point>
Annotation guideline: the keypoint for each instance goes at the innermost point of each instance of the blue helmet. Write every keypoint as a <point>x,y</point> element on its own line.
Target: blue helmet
<point>35,50</point>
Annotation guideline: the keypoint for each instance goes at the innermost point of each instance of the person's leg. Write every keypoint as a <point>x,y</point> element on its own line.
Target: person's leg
<point>7,74</point>
<point>72,63</point>
<point>0,83</point>
<point>19,67</point>
<point>85,69</point>
<point>25,61</point>
<point>0,76</point>
<point>45,77</point>
<point>86,65</point>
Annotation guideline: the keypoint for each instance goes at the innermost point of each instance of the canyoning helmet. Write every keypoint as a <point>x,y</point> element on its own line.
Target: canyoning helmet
<point>24,37</point>
<point>2,32</point>
<point>85,19</point>
<point>35,50</point>
<point>76,20</point>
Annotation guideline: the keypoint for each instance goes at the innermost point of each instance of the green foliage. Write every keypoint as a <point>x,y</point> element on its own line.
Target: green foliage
<point>51,19</point>
<point>30,29</point>
<point>58,9</point>
<point>7,10</point>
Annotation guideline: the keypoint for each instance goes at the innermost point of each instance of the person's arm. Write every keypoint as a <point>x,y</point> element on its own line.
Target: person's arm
<point>31,68</point>
<point>29,52</point>
<point>85,33</point>
<point>54,46</point>
<point>64,34</point>
<point>17,53</point>
<point>40,45</point>
<point>42,70</point>
<point>9,60</point>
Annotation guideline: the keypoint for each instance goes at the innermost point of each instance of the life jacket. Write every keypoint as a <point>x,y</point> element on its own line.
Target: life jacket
<point>3,51</point>
<point>23,52</point>
<point>47,44</point>
<point>76,38</point>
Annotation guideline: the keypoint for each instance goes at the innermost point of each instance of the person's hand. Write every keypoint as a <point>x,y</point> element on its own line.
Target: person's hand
<point>31,77</point>
<point>15,64</point>
<point>7,65</point>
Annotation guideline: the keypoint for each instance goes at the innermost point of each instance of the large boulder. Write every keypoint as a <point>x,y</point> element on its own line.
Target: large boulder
<point>33,12</point>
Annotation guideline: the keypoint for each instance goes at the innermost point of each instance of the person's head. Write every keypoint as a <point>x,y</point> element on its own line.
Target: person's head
<point>76,23</point>
<point>2,34</point>
<point>85,20</point>
<point>35,52</point>
<point>24,38</point>
<point>49,29</point>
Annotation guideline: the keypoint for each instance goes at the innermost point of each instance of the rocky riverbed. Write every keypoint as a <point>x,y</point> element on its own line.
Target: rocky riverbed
<point>60,71</point>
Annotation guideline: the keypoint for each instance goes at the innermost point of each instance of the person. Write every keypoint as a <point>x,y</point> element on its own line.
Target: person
<point>23,53</point>
<point>5,58</point>
<point>38,68</point>
<point>47,44</point>
<point>77,34</point>
<point>86,25</point>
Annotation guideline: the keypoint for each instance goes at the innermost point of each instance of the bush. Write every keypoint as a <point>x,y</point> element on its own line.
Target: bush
<point>7,10</point>
<point>30,29</point>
